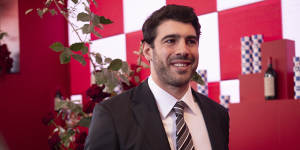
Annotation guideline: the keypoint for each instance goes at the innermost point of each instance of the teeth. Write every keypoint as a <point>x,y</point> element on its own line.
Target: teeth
<point>180,65</point>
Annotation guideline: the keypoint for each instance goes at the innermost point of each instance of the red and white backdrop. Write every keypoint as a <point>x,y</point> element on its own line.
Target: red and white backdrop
<point>223,23</point>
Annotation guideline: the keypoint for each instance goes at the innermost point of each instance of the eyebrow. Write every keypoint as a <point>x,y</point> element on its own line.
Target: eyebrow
<point>170,36</point>
<point>177,36</point>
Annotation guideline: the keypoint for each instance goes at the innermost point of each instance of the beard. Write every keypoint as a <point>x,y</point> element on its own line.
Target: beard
<point>170,77</point>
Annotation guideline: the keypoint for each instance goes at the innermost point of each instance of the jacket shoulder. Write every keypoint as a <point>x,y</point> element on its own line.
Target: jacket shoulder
<point>204,100</point>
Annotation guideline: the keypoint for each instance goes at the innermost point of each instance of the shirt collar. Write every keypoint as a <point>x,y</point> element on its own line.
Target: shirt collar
<point>166,101</point>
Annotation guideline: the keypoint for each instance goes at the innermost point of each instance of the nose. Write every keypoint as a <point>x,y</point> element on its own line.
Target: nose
<point>182,48</point>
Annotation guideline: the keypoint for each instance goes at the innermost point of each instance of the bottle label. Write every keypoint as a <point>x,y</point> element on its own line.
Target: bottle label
<point>269,86</point>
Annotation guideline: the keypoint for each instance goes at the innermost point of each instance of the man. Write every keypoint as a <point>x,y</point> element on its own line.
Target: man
<point>149,116</point>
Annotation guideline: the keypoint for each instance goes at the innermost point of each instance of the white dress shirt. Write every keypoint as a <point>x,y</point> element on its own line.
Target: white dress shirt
<point>192,116</point>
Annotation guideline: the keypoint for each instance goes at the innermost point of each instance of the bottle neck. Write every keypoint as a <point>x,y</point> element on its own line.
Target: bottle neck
<point>269,65</point>
<point>270,62</point>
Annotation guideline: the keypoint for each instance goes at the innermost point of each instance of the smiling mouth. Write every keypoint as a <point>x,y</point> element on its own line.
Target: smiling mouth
<point>180,64</point>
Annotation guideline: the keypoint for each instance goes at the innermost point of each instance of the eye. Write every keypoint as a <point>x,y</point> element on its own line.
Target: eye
<point>170,41</point>
<point>191,42</point>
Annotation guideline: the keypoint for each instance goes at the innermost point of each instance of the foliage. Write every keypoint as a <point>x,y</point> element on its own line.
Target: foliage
<point>6,62</point>
<point>112,76</point>
<point>65,125</point>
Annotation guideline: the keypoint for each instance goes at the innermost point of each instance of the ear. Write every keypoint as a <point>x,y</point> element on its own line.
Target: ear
<point>147,51</point>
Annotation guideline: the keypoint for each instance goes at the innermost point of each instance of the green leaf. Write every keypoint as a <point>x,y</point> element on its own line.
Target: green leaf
<point>77,46</point>
<point>107,60</point>
<point>197,78</point>
<point>85,122</point>
<point>40,12</point>
<point>112,81</point>
<point>28,11</point>
<point>100,77</point>
<point>53,12</point>
<point>84,50</point>
<point>124,79</point>
<point>64,57</point>
<point>95,19</point>
<point>75,108</point>
<point>75,1</point>
<point>125,67</point>
<point>59,105</point>
<point>95,3</point>
<point>79,58</point>
<point>137,79</point>
<point>138,69</point>
<point>86,29</point>
<point>65,139</point>
<point>84,17</point>
<point>143,64</point>
<point>98,58</point>
<point>57,47</point>
<point>97,34</point>
<point>115,65</point>
<point>139,60</point>
<point>87,8</point>
<point>71,131</point>
<point>104,20</point>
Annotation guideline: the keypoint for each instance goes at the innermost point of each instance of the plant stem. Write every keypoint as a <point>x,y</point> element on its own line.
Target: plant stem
<point>66,17</point>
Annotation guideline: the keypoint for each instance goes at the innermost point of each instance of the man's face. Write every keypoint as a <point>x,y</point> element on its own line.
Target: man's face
<point>174,57</point>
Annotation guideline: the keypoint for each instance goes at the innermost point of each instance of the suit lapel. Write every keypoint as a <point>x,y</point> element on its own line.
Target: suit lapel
<point>210,119</point>
<point>148,117</point>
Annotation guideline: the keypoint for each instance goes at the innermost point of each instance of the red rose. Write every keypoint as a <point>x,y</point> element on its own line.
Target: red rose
<point>96,93</point>
<point>134,68</point>
<point>80,137</point>
<point>54,142</point>
<point>79,147</point>
<point>127,87</point>
<point>89,107</point>
<point>5,61</point>
<point>48,118</point>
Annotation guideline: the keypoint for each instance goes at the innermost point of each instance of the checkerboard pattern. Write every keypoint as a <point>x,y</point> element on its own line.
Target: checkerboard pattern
<point>297,77</point>
<point>225,100</point>
<point>246,50</point>
<point>256,39</point>
<point>203,89</point>
<point>223,23</point>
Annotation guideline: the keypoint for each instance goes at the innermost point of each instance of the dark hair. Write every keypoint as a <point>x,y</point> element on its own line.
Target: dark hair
<point>179,13</point>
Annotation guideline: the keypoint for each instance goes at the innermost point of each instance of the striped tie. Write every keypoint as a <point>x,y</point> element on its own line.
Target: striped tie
<point>183,136</point>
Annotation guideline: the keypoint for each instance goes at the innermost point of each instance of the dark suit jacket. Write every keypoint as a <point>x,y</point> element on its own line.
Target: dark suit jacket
<point>131,121</point>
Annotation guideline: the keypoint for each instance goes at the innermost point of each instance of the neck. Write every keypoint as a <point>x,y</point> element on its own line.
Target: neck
<point>176,91</point>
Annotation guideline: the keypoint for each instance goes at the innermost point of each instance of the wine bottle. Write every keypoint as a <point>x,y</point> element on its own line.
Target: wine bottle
<point>270,78</point>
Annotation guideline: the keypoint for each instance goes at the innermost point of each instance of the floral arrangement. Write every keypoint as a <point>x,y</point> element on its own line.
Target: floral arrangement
<point>68,124</point>
<point>6,62</point>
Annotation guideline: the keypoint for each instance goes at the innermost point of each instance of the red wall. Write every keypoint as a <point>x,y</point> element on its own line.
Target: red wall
<point>27,96</point>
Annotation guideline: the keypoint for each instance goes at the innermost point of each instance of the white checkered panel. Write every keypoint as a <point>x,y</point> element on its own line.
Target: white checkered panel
<point>291,22</point>
<point>73,38</point>
<point>232,88</point>
<point>137,11</point>
<point>227,4</point>
<point>209,58</point>
<point>113,47</point>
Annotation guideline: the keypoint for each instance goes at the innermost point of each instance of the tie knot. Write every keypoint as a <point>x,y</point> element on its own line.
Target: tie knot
<point>178,108</point>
